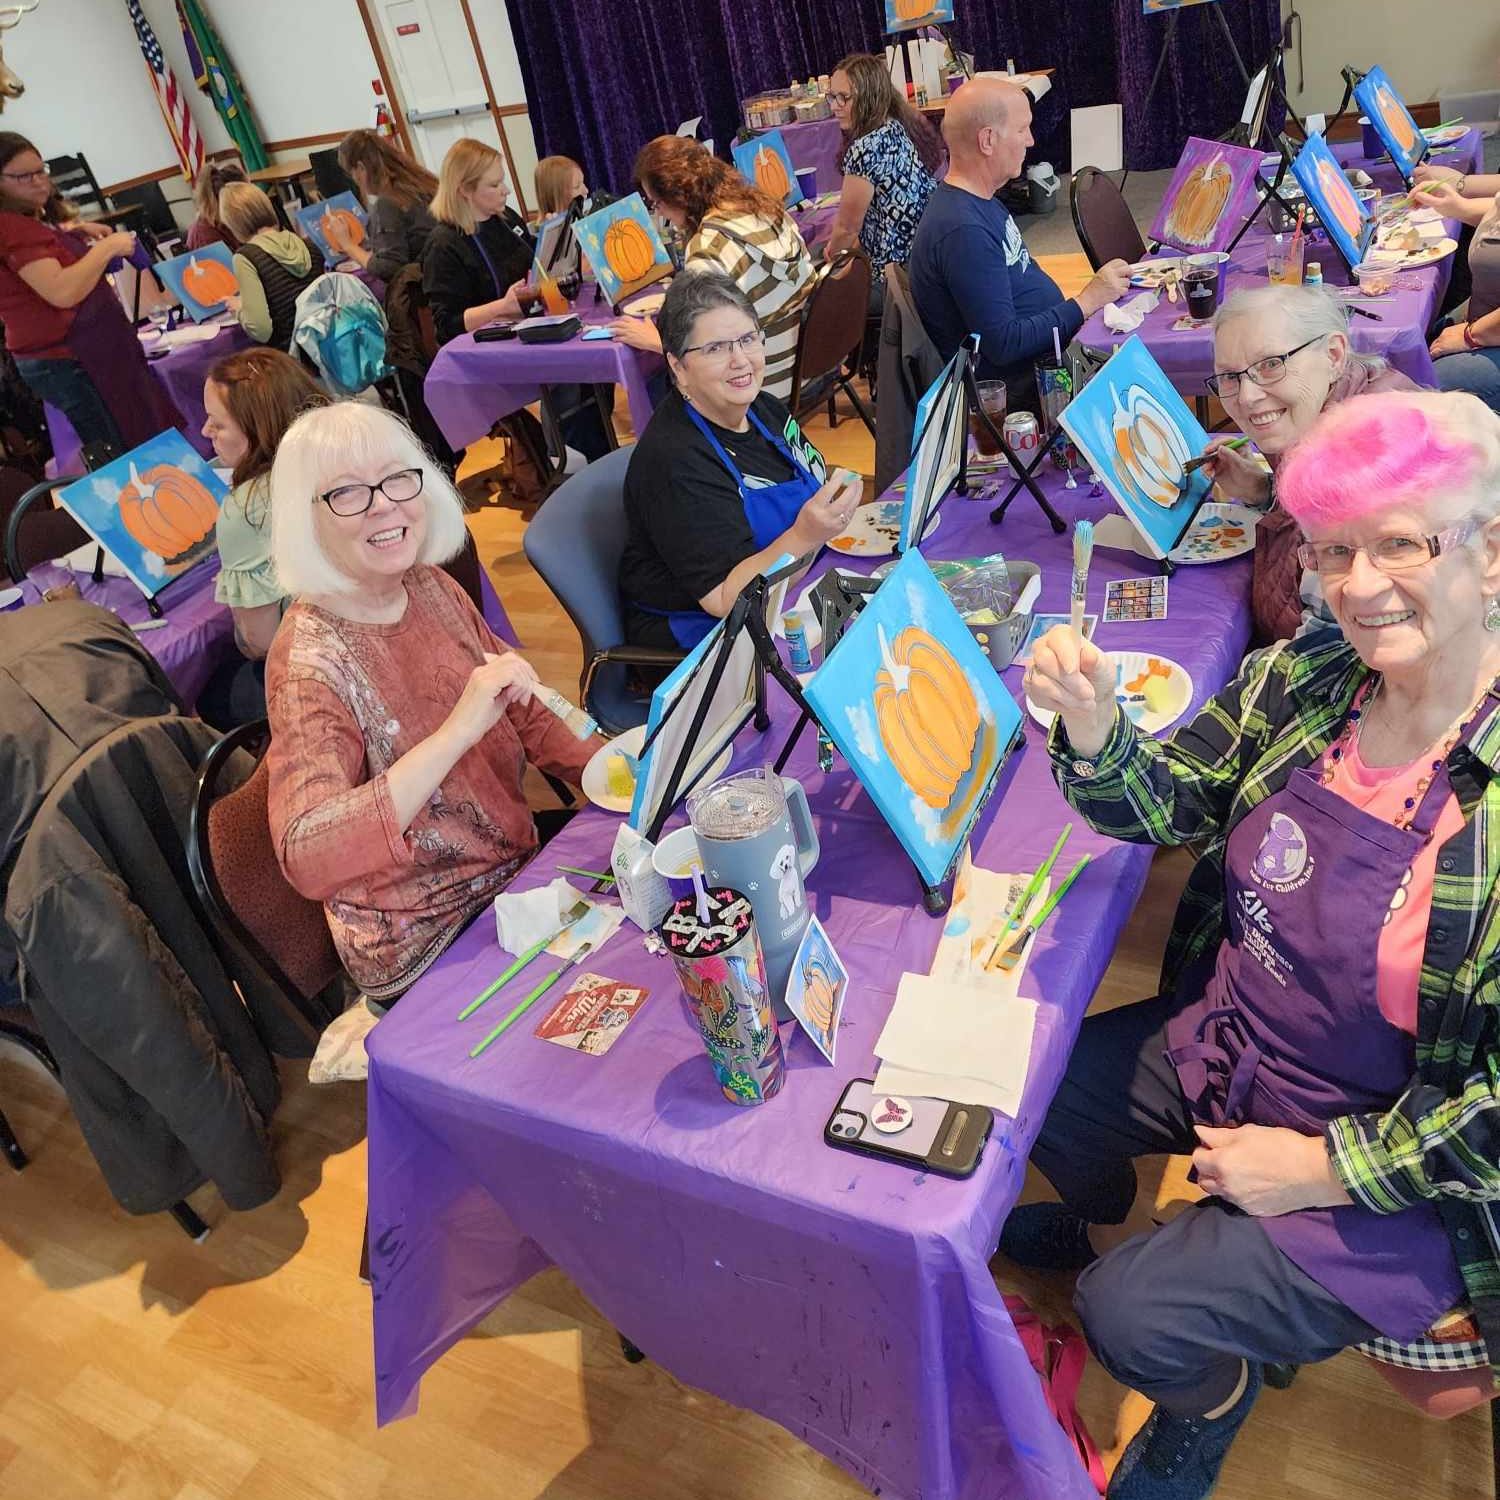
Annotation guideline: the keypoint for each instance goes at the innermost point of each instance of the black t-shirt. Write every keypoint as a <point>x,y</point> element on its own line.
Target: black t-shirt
<point>687,522</point>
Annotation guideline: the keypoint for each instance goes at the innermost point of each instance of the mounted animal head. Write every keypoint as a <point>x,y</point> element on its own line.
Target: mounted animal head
<point>11,86</point>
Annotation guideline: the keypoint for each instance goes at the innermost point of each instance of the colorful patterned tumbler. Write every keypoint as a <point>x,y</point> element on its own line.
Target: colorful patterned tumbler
<point>723,975</point>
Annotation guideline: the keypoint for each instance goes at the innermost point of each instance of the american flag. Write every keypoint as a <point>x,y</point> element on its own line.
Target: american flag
<point>173,100</point>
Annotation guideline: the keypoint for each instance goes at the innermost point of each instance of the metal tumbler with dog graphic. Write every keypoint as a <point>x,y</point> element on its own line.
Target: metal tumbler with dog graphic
<point>723,975</point>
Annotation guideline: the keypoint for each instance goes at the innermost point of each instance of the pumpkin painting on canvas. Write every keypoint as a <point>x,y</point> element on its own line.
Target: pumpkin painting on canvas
<point>765,161</point>
<point>200,279</point>
<point>154,510</point>
<point>1211,194</point>
<point>623,247</point>
<point>342,212</point>
<point>912,703</point>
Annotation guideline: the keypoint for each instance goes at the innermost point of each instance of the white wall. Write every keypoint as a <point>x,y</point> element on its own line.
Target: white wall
<point>1431,50</point>
<point>305,64</point>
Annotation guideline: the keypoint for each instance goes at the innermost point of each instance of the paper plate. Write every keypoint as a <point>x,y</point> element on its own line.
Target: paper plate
<point>1447,135</point>
<point>1137,667</point>
<point>1218,533</point>
<point>875,528</point>
<point>594,784</point>
<point>1431,252</point>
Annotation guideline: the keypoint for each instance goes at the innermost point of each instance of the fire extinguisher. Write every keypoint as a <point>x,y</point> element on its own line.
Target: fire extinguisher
<point>384,125</point>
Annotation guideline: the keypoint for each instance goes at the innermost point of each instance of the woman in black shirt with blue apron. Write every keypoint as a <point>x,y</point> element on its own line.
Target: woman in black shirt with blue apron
<point>722,482</point>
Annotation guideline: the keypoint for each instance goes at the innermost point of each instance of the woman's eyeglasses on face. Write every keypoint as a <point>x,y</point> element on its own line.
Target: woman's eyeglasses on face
<point>725,349</point>
<point>33,176</point>
<point>356,499</point>
<point>1263,372</point>
<point>838,98</point>
<point>1390,554</point>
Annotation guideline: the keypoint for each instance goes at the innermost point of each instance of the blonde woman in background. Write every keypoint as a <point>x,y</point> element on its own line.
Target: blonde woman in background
<point>206,228</point>
<point>273,265</point>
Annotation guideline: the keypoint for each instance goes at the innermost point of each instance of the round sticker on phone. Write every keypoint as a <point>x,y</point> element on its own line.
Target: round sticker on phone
<point>890,1115</point>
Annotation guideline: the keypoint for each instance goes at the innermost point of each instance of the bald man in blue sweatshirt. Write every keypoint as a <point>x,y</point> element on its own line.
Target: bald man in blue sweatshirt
<point>970,269</point>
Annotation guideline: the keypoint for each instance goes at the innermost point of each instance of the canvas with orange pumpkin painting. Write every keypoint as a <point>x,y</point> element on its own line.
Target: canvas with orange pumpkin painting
<point>1385,109</point>
<point>914,706</point>
<point>1211,194</point>
<point>201,279</point>
<point>154,510</point>
<point>765,161</point>
<point>624,249</point>
<point>1137,435</point>
<point>1345,219</point>
<point>314,219</point>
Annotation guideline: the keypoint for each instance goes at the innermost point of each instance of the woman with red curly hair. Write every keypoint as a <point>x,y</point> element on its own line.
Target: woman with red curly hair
<point>730,226</point>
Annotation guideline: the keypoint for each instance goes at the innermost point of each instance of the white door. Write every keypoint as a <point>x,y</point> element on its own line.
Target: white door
<point>428,45</point>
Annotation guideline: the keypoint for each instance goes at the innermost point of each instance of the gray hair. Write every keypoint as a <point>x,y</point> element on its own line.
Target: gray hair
<point>323,444</point>
<point>1310,312</point>
<point>692,294</point>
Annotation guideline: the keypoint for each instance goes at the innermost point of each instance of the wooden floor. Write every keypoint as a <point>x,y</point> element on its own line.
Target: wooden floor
<point>135,1365</point>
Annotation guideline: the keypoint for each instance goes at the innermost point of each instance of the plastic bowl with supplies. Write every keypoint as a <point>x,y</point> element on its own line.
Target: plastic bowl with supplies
<point>995,598</point>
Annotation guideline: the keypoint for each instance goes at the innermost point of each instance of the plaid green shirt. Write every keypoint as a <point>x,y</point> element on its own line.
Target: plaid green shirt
<point>1441,1139</point>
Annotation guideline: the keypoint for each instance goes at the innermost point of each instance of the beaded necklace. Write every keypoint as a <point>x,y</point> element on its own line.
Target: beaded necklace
<point>1350,736</point>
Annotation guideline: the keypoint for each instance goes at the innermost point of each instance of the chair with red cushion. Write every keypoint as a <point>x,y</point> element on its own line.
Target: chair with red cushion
<point>239,881</point>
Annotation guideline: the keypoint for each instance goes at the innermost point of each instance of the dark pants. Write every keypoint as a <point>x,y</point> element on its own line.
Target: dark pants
<point>234,695</point>
<point>65,384</point>
<point>1171,1313</point>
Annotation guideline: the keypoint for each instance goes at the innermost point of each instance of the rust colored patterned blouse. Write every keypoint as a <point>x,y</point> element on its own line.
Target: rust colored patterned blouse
<point>346,701</point>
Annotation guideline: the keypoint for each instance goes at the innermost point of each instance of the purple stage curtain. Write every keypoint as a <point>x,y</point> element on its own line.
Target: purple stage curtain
<point>604,76</point>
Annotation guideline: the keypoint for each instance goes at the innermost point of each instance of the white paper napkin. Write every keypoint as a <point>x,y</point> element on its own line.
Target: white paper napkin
<point>1124,317</point>
<point>524,918</point>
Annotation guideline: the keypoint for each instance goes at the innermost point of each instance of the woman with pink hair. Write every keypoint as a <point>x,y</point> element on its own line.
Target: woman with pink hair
<point>1327,1041</point>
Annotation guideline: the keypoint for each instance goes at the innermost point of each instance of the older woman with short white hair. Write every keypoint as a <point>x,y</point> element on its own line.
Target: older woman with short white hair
<point>1282,356</point>
<point>1326,1043</point>
<point>401,727</point>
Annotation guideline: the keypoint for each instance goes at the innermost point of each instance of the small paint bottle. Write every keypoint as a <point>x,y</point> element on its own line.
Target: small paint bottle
<point>1312,274</point>
<point>799,657</point>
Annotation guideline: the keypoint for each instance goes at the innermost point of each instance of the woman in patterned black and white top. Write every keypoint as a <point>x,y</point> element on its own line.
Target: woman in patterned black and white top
<point>730,226</point>
<point>891,156</point>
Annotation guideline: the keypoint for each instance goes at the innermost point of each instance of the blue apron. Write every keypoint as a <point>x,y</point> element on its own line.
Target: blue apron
<point>770,509</point>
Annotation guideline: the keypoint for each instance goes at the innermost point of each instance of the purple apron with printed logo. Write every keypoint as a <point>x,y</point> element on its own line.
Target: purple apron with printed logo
<point>1288,1032</point>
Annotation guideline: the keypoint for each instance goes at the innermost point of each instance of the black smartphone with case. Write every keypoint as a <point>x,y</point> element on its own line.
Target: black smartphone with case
<point>941,1137</point>
<point>504,329</point>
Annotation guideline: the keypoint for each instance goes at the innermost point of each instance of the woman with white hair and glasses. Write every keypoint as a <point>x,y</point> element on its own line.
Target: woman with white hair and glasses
<point>1282,356</point>
<point>722,482</point>
<point>401,727</point>
<point>1326,1042</point>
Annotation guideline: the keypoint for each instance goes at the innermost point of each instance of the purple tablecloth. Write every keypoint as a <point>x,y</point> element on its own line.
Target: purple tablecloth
<point>1400,335</point>
<point>848,1300</point>
<point>819,144</point>
<point>198,634</point>
<point>471,386</point>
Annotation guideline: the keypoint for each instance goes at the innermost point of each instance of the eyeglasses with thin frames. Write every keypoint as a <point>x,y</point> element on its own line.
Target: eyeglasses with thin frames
<point>724,349</point>
<point>1264,372</point>
<point>355,499</point>
<point>1390,554</point>
<point>31,176</point>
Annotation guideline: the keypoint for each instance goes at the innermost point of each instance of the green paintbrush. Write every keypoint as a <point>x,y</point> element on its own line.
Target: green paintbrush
<point>526,1004</point>
<point>1009,959</point>
<point>579,909</point>
<point>1018,912</point>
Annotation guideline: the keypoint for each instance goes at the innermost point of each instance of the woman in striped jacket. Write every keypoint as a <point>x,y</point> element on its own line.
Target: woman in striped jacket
<point>730,226</point>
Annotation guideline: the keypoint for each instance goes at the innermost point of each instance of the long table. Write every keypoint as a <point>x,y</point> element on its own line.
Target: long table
<point>1398,332</point>
<point>848,1300</point>
<point>472,385</point>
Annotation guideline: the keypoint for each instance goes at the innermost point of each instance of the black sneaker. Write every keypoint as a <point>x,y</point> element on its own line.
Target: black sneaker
<point>1179,1458</point>
<point>1047,1237</point>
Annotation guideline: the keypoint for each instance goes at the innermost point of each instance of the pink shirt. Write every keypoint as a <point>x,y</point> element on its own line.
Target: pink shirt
<point>1382,791</point>
<point>346,701</point>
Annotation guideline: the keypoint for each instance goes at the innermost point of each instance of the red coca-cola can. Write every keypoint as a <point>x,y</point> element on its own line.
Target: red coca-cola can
<point>1022,434</point>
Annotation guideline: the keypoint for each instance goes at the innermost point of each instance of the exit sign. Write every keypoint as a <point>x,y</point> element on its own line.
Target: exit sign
<point>411,28</point>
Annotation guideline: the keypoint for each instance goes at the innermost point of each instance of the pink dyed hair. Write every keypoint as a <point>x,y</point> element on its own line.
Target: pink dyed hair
<point>1372,452</point>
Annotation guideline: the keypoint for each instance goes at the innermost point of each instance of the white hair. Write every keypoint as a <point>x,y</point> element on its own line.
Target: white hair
<point>326,444</point>
<point>1310,312</point>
